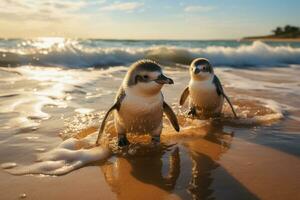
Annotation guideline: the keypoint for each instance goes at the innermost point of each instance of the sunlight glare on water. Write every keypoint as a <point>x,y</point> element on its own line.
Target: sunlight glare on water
<point>55,93</point>
<point>48,42</point>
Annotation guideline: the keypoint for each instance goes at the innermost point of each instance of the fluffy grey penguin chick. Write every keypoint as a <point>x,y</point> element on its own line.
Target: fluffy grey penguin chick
<point>205,91</point>
<point>139,103</point>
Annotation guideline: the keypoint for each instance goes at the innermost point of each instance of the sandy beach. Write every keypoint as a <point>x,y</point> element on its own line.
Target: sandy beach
<point>255,157</point>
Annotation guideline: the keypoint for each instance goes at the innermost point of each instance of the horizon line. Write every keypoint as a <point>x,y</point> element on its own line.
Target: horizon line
<point>118,39</point>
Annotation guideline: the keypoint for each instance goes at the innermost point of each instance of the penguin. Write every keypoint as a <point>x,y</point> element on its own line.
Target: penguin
<point>205,91</point>
<point>139,104</point>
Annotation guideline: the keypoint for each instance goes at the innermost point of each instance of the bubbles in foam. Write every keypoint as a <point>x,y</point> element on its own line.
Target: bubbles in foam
<point>256,111</point>
<point>66,157</point>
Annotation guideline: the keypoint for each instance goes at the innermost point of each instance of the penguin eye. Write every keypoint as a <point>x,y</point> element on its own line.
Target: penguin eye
<point>138,78</point>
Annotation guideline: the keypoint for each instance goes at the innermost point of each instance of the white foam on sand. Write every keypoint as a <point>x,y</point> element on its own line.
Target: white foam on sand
<point>278,111</point>
<point>274,81</point>
<point>71,154</point>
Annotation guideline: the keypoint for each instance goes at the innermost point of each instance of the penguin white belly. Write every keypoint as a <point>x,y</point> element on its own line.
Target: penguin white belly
<point>140,114</point>
<point>204,97</point>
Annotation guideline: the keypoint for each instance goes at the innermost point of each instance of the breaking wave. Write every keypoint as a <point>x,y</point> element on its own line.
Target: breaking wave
<point>73,54</point>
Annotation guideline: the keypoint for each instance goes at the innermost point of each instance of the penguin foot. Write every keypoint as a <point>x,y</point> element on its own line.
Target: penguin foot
<point>192,112</point>
<point>123,141</point>
<point>156,139</point>
<point>168,147</point>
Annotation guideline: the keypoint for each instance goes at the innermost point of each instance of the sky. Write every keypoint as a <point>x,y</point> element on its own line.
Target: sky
<point>146,19</point>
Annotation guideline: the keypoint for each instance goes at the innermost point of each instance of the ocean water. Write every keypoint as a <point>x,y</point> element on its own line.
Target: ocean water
<point>54,93</point>
<point>105,53</point>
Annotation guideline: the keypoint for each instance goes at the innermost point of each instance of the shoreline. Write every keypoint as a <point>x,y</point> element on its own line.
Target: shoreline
<point>270,39</point>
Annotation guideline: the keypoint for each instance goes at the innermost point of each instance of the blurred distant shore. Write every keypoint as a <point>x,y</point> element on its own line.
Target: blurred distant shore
<point>271,39</point>
<point>280,34</point>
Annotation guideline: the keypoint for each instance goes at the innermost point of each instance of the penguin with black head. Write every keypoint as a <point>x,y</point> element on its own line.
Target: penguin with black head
<point>139,105</point>
<point>205,91</point>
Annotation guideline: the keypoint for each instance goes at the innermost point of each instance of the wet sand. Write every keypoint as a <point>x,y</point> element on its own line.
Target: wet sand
<point>255,158</point>
<point>246,171</point>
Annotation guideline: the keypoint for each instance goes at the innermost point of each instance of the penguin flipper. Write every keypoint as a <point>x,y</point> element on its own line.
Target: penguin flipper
<point>184,96</point>
<point>171,116</point>
<point>116,105</point>
<point>220,91</point>
<point>227,99</point>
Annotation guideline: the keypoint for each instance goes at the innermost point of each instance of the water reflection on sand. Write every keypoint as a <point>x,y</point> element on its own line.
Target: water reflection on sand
<point>184,169</point>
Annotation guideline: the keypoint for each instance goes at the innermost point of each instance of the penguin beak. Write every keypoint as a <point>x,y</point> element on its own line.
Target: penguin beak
<point>162,79</point>
<point>197,70</point>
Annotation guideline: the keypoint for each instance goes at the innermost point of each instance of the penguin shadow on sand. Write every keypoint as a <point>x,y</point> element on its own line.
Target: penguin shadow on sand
<point>184,170</point>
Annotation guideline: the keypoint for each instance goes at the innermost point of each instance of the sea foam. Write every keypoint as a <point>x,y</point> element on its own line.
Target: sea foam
<point>63,159</point>
<point>75,55</point>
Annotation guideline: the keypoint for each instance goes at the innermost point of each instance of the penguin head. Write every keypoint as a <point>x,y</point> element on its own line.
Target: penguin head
<point>201,69</point>
<point>146,77</point>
